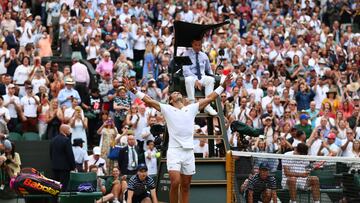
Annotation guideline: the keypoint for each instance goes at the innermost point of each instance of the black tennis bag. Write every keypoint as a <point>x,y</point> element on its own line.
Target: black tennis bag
<point>31,182</point>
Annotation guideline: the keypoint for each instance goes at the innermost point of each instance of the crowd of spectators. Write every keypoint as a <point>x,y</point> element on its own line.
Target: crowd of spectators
<point>295,66</point>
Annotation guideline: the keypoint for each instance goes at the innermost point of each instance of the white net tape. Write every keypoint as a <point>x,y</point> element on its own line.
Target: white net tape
<point>297,157</point>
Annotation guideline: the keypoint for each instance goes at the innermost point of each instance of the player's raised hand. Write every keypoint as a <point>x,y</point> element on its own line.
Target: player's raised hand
<point>128,85</point>
<point>227,81</point>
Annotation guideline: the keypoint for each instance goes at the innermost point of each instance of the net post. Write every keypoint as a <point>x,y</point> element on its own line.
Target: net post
<point>229,175</point>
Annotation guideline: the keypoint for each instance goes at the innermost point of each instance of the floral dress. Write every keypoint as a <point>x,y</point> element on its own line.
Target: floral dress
<point>108,136</point>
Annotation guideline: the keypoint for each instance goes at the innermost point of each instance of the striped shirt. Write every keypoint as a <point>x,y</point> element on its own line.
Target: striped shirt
<point>258,185</point>
<point>140,187</point>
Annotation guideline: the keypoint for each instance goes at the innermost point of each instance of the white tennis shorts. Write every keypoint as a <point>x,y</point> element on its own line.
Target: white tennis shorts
<point>302,183</point>
<point>182,160</point>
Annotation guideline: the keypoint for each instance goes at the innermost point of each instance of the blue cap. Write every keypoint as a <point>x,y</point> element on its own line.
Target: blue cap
<point>304,116</point>
<point>142,167</point>
<point>264,166</point>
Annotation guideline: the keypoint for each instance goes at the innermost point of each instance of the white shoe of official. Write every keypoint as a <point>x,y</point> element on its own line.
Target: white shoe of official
<point>208,109</point>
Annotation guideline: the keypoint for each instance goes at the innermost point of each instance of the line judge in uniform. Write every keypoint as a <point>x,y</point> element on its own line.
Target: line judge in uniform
<point>198,74</point>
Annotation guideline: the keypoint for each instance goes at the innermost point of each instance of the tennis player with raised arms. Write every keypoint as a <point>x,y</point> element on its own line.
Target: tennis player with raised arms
<point>180,121</point>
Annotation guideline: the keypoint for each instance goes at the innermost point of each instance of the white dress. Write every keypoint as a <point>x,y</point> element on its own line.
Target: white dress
<point>2,61</point>
<point>78,131</point>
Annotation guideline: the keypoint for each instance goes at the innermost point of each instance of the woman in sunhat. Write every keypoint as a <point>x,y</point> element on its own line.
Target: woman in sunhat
<point>332,99</point>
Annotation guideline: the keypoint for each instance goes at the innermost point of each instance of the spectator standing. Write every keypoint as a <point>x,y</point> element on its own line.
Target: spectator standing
<point>93,105</point>
<point>44,45</point>
<point>151,158</point>
<point>130,157</point>
<point>79,124</point>
<point>67,94</point>
<point>62,156</point>
<point>4,54</point>
<point>29,104</point>
<point>12,103</point>
<point>81,77</point>
<point>39,79</point>
<point>54,118</point>
<point>105,65</point>
<point>303,97</point>
<point>43,110</point>
<point>4,112</point>
<point>80,155</point>
<point>121,105</point>
<point>12,63</point>
<point>108,133</point>
<point>22,74</point>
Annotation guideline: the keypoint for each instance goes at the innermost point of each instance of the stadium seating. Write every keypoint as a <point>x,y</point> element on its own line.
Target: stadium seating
<point>14,136</point>
<point>30,136</point>
<point>75,180</point>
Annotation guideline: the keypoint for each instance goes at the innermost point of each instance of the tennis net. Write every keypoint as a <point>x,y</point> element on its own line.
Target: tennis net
<point>335,179</point>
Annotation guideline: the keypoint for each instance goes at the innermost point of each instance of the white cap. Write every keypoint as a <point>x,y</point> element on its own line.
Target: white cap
<point>87,20</point>
<point>96,151</point>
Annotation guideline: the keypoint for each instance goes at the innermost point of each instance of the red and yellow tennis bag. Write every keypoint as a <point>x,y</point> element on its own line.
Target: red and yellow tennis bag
<point>30,181</point>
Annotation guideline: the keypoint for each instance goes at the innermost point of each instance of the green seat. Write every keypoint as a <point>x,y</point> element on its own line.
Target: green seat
<point>14,136</point>
<point>30,136</point>
<point>75,180</point>
<point>78,178</point>
<point>329,184</point>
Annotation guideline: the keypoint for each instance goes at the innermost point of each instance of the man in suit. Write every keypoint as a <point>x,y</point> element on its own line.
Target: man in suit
<point>62,156</point>
<point>130,157</point>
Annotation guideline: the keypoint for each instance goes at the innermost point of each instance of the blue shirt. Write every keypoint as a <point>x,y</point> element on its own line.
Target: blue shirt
<point>65,93</point>
<point>204,63</point>
<point>313,116</point>
<point>303,99</point>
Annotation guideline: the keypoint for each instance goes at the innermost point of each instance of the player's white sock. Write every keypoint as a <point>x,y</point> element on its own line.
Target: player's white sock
<point>316,201</point>
<point>292,201</point>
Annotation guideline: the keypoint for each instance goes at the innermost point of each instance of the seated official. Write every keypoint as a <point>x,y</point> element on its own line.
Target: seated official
<point>196,75</point>
<point>262,187</point>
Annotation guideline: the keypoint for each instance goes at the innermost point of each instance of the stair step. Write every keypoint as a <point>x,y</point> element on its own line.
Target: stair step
<point>208,136</point>
<point>208,182</point>
<point>210,160</point>
<point>204,115</point>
